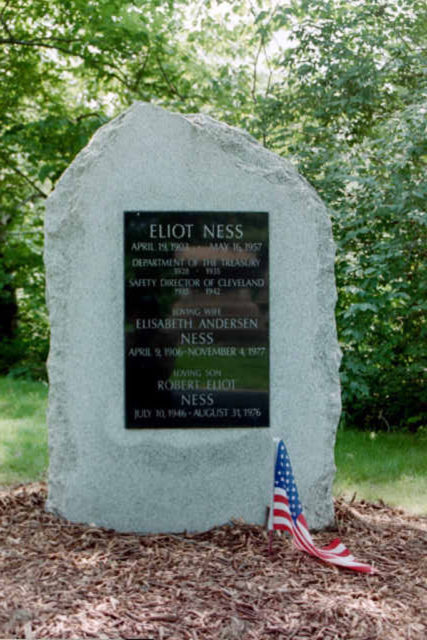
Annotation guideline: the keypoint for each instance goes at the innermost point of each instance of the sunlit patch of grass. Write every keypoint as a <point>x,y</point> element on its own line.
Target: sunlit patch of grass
<point>383,466</point>
<point>23,433</point>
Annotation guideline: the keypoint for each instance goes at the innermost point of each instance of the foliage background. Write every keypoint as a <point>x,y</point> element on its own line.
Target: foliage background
<point>338,86</point>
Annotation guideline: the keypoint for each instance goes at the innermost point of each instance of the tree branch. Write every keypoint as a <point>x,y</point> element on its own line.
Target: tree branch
<point>263,48</point>
<point>255,72</point>
<point>31,198</point>
<point>140,72</point>
<point>93,114</point>
<point>5,6</point>
<point>270,72</point>
<point>46,45</point>
<point>170,84</point>
<point>40,43</point>
<point>6,26</point>
<point>31,182</point>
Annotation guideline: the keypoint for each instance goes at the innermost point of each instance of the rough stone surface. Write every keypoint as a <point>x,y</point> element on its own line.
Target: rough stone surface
<point>172,480</point>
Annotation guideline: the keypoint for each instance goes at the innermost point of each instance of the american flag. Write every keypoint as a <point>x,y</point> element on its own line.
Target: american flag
<point>287,515</point>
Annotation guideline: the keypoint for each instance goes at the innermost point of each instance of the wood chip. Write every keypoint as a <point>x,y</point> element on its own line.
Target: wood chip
<point>63,580</point>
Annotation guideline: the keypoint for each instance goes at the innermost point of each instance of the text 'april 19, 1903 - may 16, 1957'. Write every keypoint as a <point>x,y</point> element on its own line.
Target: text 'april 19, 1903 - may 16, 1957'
<point>196,319</point>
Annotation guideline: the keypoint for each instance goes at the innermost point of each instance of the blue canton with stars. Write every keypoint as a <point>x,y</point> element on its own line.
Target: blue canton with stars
<point>284,479</point>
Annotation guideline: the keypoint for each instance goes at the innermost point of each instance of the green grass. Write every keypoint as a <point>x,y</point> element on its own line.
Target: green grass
<point>383,466</point>
<point>23,433</point>
<point>376,466</point>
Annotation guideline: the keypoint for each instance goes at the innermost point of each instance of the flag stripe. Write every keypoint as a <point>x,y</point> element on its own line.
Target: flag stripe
<point>349,561</point>
<point>279,515</point>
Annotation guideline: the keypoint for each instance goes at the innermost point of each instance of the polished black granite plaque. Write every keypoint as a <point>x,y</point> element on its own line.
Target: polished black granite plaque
<point>196,319</point>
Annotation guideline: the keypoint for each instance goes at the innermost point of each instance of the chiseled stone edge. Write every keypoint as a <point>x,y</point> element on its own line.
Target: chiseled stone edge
<point>61,224</point>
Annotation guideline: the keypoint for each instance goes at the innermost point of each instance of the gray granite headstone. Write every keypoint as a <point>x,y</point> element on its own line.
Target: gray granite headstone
<point>175,479</point>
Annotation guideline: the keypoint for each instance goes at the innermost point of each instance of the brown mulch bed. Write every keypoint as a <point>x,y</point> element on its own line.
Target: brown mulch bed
<point>61,580</point>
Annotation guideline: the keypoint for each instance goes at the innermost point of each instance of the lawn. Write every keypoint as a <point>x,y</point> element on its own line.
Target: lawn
<point>391,467</point>
<point>23,433</point>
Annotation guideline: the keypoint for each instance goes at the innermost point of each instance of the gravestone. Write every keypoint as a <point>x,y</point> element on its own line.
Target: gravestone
<point>190,286</point>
